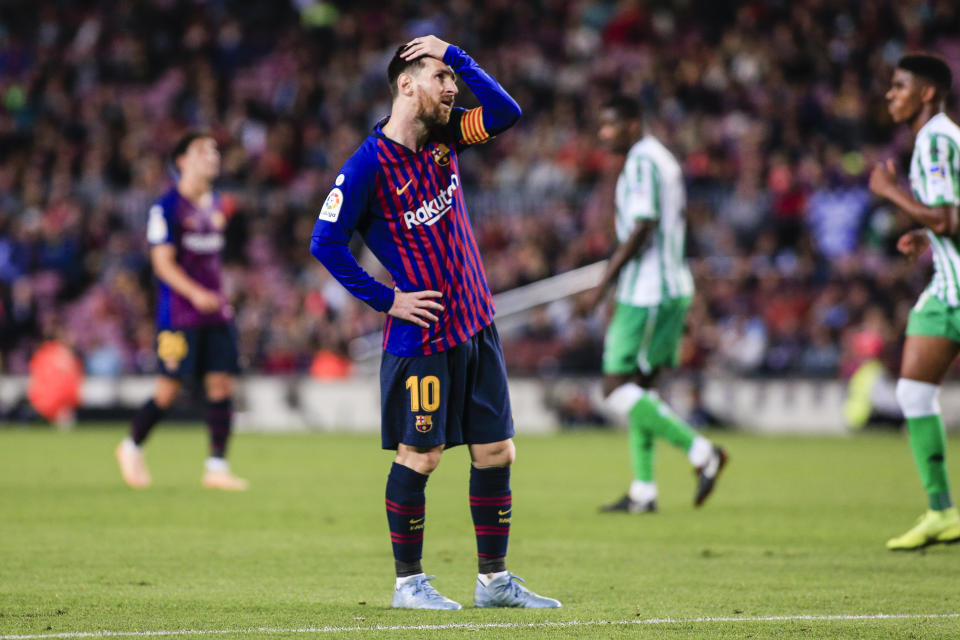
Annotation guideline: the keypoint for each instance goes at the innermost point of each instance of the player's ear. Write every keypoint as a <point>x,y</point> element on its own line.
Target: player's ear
<point>928,93</point>
<point>405,84</point>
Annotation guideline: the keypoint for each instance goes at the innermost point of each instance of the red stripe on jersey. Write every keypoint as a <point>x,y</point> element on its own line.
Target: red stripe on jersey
<point>425,237</point>
<point>456,223</point>
<point>396,172</point>
<point>481,291</point>
<point>383,194</point>
<point>454,330</point>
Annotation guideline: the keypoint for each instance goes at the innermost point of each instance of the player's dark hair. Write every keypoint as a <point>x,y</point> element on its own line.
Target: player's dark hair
<point>398,65</point>
<point>930,68</point>
<point>185,141</point>
<point>625,107</point>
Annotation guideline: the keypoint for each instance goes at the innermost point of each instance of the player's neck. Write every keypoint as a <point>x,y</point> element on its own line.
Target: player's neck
<point>193,189</point>
<point>924,115</point>
<point>404,127</point>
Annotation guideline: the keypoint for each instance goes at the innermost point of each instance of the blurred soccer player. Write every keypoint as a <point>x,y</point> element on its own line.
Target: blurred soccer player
<point>654,288</point>
<point>442,378</point>
<point>195,334</point>
<point>917,97</point>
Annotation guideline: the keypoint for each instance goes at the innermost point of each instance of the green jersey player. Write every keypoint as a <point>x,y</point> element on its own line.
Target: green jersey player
<point>653,293</point>
<point>917,97</point>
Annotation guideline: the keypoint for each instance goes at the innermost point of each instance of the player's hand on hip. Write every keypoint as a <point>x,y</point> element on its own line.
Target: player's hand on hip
<point>205,301</point>
<point>416,306</point>
<point>425,46</point>
<point>913,243</point>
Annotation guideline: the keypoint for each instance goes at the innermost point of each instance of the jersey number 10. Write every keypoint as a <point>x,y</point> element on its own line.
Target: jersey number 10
<point>425,391</point>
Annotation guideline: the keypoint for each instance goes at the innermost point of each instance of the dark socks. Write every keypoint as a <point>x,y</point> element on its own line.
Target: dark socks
<point>147,416</point>
<point>219,419</point>
<point>406,505</point>
<point>491,505</point>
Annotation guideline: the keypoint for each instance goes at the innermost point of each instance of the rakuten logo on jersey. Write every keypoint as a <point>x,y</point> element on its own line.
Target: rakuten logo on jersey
<point>203,242</point>
<point>432,210</point>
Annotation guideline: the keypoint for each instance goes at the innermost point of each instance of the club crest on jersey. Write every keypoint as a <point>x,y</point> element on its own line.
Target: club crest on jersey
<point>441,154</point>
<point>432,210</point>
<point>424,423</point>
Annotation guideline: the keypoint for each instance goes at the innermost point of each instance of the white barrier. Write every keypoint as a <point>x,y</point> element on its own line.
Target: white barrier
<point>279,403</point>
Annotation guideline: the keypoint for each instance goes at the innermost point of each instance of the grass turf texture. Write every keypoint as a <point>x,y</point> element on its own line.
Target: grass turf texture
<point>796,527</point>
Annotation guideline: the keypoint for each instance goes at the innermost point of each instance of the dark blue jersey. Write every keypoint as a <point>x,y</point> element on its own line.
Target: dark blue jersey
<point>408,206</point>
<point>197,235</point>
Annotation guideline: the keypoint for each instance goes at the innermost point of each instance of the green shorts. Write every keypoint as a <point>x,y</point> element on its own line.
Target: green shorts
<point>930,316</point>
<point>644,338</point>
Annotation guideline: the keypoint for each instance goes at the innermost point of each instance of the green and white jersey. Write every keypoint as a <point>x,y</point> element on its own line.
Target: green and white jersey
<point>651,188</point>
<point>935,180</point>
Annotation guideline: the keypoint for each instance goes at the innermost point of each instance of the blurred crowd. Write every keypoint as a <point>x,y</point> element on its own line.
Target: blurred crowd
<point>774,108</point>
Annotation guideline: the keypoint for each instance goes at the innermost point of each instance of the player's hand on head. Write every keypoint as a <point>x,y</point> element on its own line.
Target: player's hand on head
<point>883,178</point>
<point>205,301</point>
<point>416,306</point>
<point>425,46</point>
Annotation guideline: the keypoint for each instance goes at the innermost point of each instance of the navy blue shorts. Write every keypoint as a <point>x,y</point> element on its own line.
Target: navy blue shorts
<point>195,351</point>
<point>457,396</point>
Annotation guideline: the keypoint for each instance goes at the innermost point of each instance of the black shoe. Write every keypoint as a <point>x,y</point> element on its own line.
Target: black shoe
<point>629,505</point>
<point>707,475</point>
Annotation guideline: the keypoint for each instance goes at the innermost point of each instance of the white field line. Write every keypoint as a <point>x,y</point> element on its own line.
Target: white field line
<point>479,626</point>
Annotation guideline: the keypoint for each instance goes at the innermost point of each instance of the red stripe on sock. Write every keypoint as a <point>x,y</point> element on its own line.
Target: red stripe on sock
<point>404,510</point>
<point>406,538</point>
<point>483,501</point>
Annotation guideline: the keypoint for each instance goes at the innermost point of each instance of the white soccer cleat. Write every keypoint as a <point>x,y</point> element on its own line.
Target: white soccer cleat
<point>416,592</point>
<point>132,465</point>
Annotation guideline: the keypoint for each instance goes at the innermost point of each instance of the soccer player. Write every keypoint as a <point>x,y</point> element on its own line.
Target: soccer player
<point>654,288</point>
<point>917,97</point>
<point>195,333</point>
<point>442,378</point>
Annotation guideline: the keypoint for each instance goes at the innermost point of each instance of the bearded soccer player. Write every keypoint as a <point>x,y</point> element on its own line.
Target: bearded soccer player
<point>442,378</point>
<point>654,289</point>
<point>917,97</point>
<point>195,334</point>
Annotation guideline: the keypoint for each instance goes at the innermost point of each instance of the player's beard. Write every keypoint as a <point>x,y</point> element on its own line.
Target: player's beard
<point>433,117</point>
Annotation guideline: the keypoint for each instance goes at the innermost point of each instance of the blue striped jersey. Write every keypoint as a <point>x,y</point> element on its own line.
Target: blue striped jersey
<point>197,235</point>
<point>409,208</point>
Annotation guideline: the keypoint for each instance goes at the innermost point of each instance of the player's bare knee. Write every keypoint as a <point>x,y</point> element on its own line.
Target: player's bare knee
<point>495,454</point>
<point>419,459</point>
<point>219,387</point>
<point>166,392</point>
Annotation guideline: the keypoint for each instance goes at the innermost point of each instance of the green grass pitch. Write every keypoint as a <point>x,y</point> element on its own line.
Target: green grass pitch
<point>796,528</point>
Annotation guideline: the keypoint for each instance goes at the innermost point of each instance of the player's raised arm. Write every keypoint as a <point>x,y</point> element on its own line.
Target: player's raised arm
<point>497,112</point>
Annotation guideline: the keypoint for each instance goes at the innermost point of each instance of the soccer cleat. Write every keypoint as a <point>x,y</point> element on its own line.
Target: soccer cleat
<point>132,465</point>
<point>506,591</point>
<point>223,480</point>
<point>707,475</point>
<point>629,505</point>
<point>931,528</point>
<point>418,593</point>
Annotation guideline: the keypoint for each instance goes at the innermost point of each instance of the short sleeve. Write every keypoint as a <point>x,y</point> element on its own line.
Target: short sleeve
<point>642,199</point>
<point>939,167</point>
<point>160,223</point>
<point>345,204</point>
